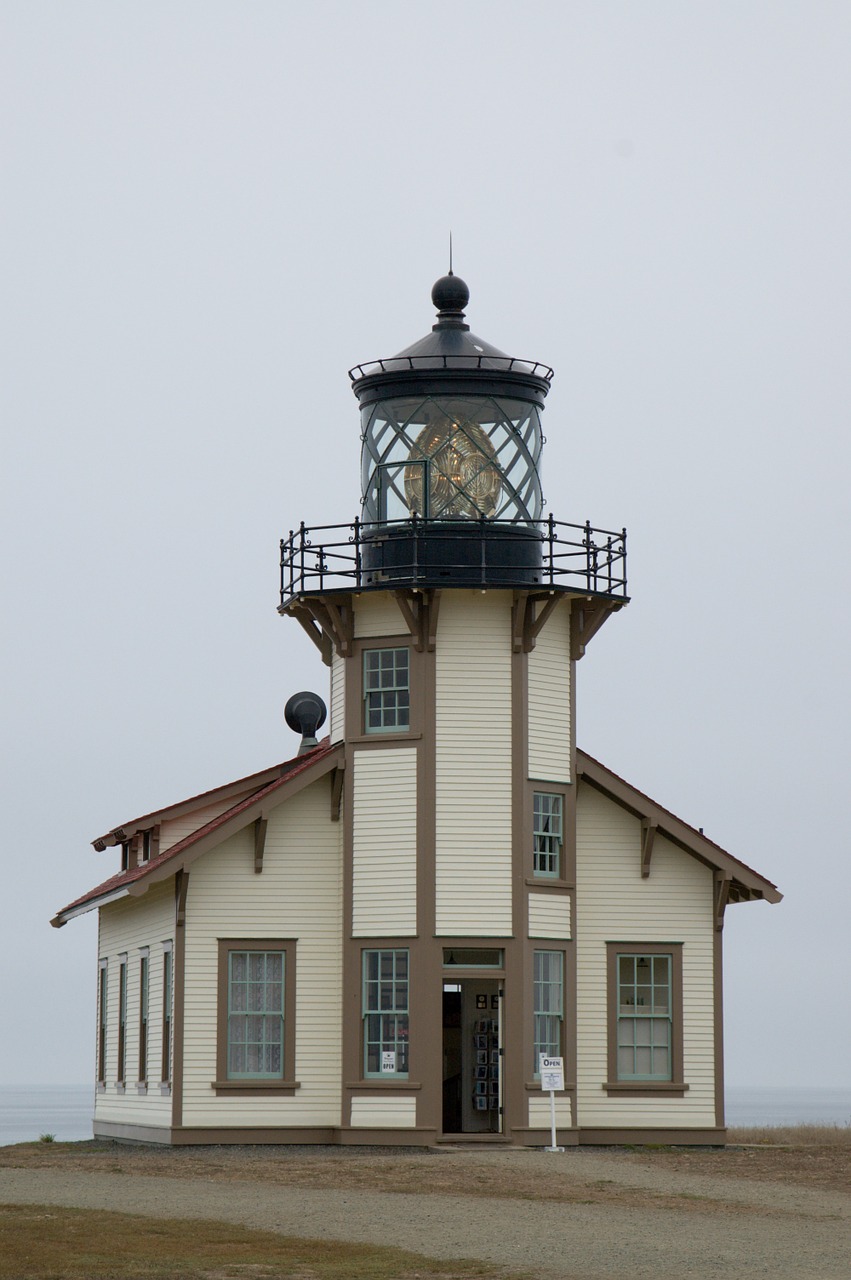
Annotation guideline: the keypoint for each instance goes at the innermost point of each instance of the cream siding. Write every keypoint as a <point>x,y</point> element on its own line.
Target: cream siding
<point>549,699</point>
<point>473,764</point>
<point>549,915</point>
<point>540,1115</point>
<point>673,905</point>
<point>378,615</point>
<point>176,829</point>
<point>338,698</point>
<point>384,871</point>
<point>297,896</point>
<point>384,1113</point>
<point>127,926</point>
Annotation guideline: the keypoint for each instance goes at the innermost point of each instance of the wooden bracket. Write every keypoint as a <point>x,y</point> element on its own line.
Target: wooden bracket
<point>317,635</point>
<point>589,614</point>
<point>420,610</point>
<point>337,779</point>
<point>181,885</point>
<point>330,623</point>
<point>648,835</point>
<point>527,621</point>
<point>722,895</point>
<point>259,843</point>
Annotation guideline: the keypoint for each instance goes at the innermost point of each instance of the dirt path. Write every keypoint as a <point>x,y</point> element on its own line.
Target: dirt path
<point>735,1229</point>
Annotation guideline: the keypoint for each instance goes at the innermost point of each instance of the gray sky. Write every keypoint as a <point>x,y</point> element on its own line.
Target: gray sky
<point>212,209</point>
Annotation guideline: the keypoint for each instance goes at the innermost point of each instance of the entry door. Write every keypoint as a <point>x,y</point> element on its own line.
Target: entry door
<point>472,1058</point>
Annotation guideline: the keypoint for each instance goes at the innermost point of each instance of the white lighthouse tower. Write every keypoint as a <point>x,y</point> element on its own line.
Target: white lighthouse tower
<point>452,614</point>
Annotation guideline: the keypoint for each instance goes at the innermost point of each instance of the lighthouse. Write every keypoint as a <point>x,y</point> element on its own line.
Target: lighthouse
<point>387,937</point>
<point>452,613</point>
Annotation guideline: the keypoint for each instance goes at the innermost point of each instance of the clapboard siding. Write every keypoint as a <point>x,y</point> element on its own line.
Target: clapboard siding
<point>549,699</point>
<point>378,615</point>
<point>540,1115</point>
<point>673,905</point>
<point>384,811</point>
<point>338,698</point>
<point>473,764</point>
<point>297,895</point>
<point>384,1113</point>
<point>176,829</point>
<point>549,915</point>
<point>127,926</point>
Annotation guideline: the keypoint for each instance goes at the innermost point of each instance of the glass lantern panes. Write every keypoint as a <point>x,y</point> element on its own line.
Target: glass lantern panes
<point>548,996</point>
<point>547,820</point>
<point>386,690</point>
<point>385,1012</point>
<point>451,458</point>
<point>644,1017</point>
<point>255,1014</point>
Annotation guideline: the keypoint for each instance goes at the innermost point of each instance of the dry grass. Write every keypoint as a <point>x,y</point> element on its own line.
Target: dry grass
<point>46,1243</point>
<point>807,1156</point>
<point>801,1135</point>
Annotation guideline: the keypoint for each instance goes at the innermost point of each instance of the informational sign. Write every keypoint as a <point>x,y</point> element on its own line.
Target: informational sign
<point>552,1073</point>
<point>388,1061</point>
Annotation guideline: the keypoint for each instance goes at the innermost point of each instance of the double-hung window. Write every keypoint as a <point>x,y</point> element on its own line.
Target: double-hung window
<point>255,1028</point>
<point>122,1021</point>
<point>166,1028</point>
<point>548,834</point>
<point>386,690</point>
<point>102,1022</point>
<point>385,1013</point>
<point>644,1017</point>
<point>645,986</point>
<point>143,1017</point>
<point>256,1019</point>
<point>548,1003</point>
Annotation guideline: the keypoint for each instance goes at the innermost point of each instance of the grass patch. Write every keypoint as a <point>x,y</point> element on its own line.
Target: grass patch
<point>799,1135</point>
<point>44,1242</point>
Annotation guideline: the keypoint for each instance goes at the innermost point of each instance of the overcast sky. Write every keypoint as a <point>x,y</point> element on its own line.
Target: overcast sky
<point>212,209</point>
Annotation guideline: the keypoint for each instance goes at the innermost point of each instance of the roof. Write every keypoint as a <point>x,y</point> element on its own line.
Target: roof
<point>287,778</point>
<point>272,786</point>
<point>744,882</point>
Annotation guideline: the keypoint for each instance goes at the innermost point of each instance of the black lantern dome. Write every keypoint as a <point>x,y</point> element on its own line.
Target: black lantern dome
<point>451,426</point>
<point>450,479</point>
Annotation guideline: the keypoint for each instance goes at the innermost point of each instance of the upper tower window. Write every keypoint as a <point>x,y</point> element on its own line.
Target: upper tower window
<point>386,690</point>
<point>547,810</point>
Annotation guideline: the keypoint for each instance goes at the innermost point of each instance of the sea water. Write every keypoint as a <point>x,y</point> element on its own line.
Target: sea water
<point>754,1106</point>
<point>28,1111</point>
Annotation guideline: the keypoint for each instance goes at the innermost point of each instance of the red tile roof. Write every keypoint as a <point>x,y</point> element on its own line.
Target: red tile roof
<point>290,769</point>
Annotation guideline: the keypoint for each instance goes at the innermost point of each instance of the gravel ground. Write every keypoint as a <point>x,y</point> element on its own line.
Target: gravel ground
<point>736,1229</point>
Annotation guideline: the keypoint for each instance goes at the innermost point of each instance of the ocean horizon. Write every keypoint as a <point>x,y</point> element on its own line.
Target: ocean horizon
<point>28,1111</point>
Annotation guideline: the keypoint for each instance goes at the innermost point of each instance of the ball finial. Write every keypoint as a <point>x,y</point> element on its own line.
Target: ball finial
<point>450,293</point>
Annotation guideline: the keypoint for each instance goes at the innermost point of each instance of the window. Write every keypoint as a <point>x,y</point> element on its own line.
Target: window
<point>167,997</point>
<point>122,1021</point>
<point>102,993</point>
<point>146,845</point>
<point>645,1017</point>
<point>143,1018</point>
<point>256,1015</point>
<point>386,690</point>
<point>548,996</point>
<point>547,818</point>
<point>385,1013</point>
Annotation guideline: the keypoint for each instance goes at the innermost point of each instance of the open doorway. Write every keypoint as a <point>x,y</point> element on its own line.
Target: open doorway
<point>472,1055</point>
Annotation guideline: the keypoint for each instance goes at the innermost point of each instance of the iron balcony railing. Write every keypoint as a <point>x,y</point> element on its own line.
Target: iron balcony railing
<point>362,556</point>
<point>427,363</point>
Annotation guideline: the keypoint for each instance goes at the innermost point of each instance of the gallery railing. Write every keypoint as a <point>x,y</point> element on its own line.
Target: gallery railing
<point>418,552</point>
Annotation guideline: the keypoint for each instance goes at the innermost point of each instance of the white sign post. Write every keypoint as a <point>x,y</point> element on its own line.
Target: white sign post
<point>552,1078</point>
<point>388,1061</point>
